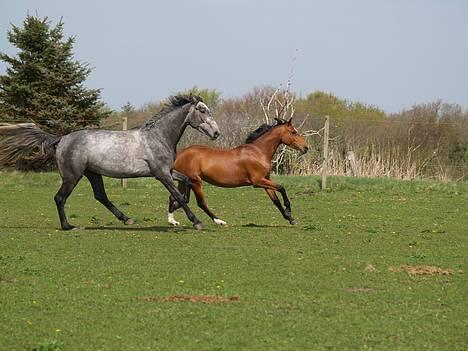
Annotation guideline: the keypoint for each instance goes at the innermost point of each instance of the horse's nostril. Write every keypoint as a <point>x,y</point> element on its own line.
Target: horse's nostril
<point>216,134</point>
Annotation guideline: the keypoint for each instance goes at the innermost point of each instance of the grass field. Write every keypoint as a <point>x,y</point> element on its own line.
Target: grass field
<point>337,280</point>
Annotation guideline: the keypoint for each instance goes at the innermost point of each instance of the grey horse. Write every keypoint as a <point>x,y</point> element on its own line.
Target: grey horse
<point>146,151</point>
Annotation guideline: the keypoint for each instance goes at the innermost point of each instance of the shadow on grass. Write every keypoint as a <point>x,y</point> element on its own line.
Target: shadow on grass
<point>139,229</point>
<point>253,225</point>
<point>166,229</point>
<point>120,229</point>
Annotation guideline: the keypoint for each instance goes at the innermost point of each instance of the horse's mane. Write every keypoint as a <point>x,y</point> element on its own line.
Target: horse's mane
<point>263,129</point>
<point>173,103</point>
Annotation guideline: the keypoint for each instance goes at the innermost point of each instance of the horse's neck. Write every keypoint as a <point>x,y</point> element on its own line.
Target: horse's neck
<point>171,127</point>
<point>269,143</point>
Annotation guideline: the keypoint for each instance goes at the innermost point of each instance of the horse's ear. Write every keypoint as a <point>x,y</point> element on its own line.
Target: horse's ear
<point>290,121</point>
<point>280,120</point>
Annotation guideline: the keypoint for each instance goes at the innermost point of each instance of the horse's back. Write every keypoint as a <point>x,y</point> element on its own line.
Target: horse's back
<point>197,154</point>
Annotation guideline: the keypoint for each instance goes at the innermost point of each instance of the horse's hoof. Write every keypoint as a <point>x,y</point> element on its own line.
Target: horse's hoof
<point>69,227</point>
<point>219,221</point>
<point>293,222</point>
<point>174,223</point>
<point>198,226</point>
<point>129,221</point>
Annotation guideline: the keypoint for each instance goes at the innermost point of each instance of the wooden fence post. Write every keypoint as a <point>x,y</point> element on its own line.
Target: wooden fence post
<point>351,159</point>
<point>325,152</point>
<point>124,127</point>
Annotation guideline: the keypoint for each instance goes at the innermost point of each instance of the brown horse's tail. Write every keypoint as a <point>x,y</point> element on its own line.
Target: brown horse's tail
<point>25,146</point>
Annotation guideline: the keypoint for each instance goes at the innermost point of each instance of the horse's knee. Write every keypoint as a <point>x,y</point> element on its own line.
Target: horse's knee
<point>58,199</point>
<point>173,204</point>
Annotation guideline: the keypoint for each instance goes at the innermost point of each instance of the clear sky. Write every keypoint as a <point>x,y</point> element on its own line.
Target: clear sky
<point>391,54</point>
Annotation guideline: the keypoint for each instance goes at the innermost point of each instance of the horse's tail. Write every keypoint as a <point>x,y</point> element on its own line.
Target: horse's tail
<point>25,146</point>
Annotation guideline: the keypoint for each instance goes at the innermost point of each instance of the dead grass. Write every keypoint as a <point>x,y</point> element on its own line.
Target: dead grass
<point>358,290</point>
<point>207,299</point>
<point>370,268</point>
<point>421,270</point>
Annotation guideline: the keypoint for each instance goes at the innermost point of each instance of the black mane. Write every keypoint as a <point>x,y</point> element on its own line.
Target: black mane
<point>174,102</point>
<point>264,128</point>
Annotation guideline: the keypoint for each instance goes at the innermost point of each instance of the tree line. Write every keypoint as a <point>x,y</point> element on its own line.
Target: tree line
<point>428,140</point>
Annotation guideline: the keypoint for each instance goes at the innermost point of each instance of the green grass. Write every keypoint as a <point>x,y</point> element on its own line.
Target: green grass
<point>301,287</point>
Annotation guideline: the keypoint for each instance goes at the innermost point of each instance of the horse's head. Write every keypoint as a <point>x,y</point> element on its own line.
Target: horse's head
<point>199,117</point>
<point>291,137</point>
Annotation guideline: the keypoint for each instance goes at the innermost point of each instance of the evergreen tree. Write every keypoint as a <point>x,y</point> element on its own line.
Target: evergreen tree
<point>44,84</point>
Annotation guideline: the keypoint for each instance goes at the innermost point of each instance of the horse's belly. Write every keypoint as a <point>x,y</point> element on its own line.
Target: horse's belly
<point>123,169</point>
<point>227,178</point>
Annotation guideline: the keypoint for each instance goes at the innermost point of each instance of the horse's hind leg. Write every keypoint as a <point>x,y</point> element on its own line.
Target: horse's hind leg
<point>166,179</point>
<point>184,186</point>
<point>61,197</point>
<point>198,191</point>
<point>174,205</point>
<point>100,194</point>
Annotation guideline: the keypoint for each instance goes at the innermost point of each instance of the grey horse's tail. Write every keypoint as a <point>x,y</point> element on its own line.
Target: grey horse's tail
<point>25,146</point>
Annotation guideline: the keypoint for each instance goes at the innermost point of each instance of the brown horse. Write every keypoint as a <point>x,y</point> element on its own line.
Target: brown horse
<point>247,164</point>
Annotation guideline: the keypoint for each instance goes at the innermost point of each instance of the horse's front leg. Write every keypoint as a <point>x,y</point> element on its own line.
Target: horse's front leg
<point>166,180</point>
<point>270,188</point>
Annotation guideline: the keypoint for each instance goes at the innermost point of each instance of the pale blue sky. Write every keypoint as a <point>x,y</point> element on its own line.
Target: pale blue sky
<point>391,54</point>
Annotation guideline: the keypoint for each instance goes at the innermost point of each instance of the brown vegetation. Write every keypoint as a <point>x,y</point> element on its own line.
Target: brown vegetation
<point>425,141</point>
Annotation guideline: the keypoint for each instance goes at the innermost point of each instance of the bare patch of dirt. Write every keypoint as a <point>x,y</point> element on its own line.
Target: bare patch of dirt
<point>207,299</point>
<point>421,270</point>
<point>357,290</point>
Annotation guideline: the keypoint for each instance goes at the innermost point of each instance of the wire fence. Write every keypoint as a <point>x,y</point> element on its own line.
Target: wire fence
<point>380,150</point>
